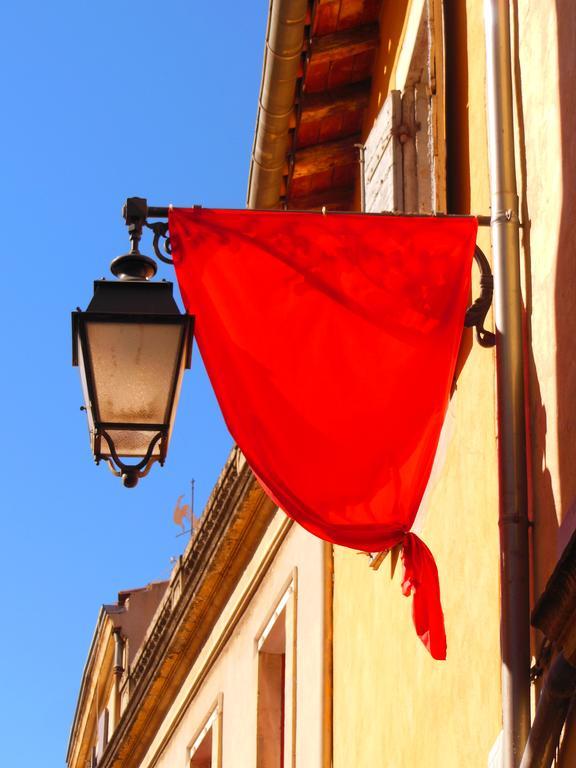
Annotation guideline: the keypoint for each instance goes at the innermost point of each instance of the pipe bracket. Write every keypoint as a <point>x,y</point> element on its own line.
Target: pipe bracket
<point>505,217</point>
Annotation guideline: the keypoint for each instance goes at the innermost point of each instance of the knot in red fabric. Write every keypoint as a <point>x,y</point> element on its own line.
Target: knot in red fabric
<point>420,579</point>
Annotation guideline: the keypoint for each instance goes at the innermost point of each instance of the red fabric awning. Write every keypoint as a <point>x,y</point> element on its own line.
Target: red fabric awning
<point>331,341</point>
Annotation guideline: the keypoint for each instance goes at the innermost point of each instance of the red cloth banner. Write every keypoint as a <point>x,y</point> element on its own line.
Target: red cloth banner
<point>331,341</point>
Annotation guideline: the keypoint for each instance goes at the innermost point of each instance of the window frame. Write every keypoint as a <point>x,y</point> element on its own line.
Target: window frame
<point>286,602</point>
<point>214,721</point>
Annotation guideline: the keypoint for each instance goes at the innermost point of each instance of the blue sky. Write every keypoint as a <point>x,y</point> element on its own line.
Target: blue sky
<point>101,101</point>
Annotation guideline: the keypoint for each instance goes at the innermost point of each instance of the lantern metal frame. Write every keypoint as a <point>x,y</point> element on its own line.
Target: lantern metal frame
<point>111,293</point>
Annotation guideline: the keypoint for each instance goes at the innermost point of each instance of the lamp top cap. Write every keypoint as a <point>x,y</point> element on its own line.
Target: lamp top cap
<point>133,297</point>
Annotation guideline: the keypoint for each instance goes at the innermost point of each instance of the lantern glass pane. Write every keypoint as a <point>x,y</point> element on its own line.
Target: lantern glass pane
<point>130,442</point>
<point>134,366</point>
<point>85,389</point>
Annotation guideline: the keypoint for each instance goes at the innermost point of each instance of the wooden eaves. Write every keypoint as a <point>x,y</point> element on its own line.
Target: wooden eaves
<point>304,149</point>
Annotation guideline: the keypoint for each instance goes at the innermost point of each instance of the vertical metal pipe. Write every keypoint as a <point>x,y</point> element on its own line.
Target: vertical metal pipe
<point>508,309</point>
<point>362,165</point>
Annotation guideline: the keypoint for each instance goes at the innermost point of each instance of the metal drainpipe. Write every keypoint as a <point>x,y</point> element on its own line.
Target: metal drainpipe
<point>362,167</point>
<point>508,309</point>
<point>284,39</point>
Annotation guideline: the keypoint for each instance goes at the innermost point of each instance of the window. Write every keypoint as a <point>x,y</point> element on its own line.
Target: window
<point>102,735</point>
<point>202,756</point>
<point>205,750</point>
<point>405,151</point>
<point>276,685</point>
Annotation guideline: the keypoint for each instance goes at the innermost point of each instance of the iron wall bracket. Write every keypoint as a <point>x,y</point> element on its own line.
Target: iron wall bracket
<point>136,212</point>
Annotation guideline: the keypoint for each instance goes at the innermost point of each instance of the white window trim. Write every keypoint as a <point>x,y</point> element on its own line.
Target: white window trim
<point>287,600</point>
<point>274,617</point>
<point>213,719</point>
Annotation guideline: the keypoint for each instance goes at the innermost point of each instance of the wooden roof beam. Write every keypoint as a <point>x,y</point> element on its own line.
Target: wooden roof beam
<point>348,98</point>
<point>332,198</point>
<point>322,157</point>
<point>341,45</point>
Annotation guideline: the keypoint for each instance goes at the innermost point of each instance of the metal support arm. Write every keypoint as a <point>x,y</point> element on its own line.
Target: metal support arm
<point>136,211</point>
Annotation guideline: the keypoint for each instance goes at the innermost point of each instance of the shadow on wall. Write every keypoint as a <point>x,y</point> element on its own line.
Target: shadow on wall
<point>457,117</point>
<point>457,133</point>
<point>565,290</point>
<point>546,513</point>
<point>565,300</point>
<point>541,502</point>
<point>391,21</point>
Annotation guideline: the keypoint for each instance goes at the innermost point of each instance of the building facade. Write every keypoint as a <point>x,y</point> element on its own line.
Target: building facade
<point>234,666</point>
<point>269,648</point>
<point>396,93</point>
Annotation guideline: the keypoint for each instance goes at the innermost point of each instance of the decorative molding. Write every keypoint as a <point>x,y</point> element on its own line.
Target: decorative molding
<point>227,631</point>
<point>190,563</point>
<point>236,517</point>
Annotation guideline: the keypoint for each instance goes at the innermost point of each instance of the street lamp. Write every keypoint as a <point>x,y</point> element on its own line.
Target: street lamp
<point>131,345</point>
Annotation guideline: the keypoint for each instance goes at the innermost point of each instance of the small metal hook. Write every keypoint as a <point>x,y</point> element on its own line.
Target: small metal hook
<point>160,229</point>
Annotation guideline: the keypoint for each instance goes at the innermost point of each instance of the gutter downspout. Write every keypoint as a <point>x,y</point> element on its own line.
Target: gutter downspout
<point>282,55</point>
<point>553,706</point>
<point>508,309</point>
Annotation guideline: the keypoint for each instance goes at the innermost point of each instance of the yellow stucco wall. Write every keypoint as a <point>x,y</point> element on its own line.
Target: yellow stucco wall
<point>545,35</point>
<point>393,705</point>
<point>546,161</point>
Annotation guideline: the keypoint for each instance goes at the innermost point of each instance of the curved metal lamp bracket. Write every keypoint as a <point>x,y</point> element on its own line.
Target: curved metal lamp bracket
<point>130,473</point>
<point>136,210</point>
<point>476,312</point>
<point>160,229</point>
